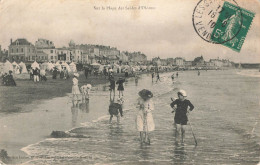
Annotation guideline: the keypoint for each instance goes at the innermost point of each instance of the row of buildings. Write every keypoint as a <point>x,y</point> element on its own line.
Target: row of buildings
<point>198,62</point>
<point>44,50</point>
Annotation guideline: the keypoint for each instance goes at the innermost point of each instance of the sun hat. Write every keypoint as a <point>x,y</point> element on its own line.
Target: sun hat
<point>182,92</point>
<point>76,74</point>
<point>145,94</point>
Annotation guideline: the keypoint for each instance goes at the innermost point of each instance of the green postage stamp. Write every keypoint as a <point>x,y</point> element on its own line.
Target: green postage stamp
<point>232,26</point>
<point>222,22</point>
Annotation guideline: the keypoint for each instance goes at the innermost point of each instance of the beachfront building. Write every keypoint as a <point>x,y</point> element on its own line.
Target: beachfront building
<point>64,54</point>
<point>123,58</point>
<point>21,50</point>
<point>216,62</point>
<point>170,61</point>
<point>45,47</point>
<point>156,61</point>
<point>179,61</point>
<point>188,64</point>
<point>164,62</point>
<point>109,55</point>
<point>137,58</point>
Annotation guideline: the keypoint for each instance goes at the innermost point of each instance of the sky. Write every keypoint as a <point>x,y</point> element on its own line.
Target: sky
<point>165,30</point>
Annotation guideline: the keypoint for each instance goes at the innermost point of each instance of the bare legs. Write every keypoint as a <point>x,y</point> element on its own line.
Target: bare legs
<point>180,130</point>
<point>120,93</point>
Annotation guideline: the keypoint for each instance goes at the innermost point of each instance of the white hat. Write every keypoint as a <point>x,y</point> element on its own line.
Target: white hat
<point>182,92</point>
<point>76,74</point>
<point>89,86</point>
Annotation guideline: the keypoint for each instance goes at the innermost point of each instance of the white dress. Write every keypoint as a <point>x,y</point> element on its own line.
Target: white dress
<point>75,87</point>
<point>145,107</point>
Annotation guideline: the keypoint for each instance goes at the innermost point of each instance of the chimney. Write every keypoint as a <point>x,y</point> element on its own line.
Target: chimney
<point>11,40</point>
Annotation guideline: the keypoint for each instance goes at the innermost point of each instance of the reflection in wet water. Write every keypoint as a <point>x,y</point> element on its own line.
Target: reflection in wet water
<point>84,106</point>
<point>74,115</point>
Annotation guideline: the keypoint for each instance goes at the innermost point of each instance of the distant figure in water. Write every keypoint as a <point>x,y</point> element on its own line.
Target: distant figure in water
<point>152,76</point>
<point>115,109</point>
<point>173,77</point>
<point>75,88</point>
<point>180,118</point>
<point>158,77</point>
<point>120,87</point>
<point>136,79</point>
<point>198,72</point>
<point>85,90</point>
<point>177,74</point>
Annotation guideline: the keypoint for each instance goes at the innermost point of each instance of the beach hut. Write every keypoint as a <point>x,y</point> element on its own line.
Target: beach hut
<point>64,64</point>
<point>16,68</point>
<point>35,65</point>
<point>58,65</point>
<point>8,67</point>
<point>23,66</point>
<point>73,67</point>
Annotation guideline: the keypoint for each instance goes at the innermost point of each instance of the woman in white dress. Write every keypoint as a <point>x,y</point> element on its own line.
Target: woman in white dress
<point>75,88</point>
<point>144,119</point>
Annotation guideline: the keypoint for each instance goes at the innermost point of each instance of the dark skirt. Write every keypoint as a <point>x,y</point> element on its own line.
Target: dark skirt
<point>181,119</point>
<point>120,88</point>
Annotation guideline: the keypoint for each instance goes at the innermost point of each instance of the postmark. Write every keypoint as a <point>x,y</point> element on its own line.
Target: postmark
<point>222,22</point>
<point>225,28</point>
<point>205,19</point>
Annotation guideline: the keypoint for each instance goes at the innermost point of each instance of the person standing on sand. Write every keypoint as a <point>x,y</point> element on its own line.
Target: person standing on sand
<point>120,87</point>
<point>180,118</point>
<point>198,72</point>
<point>177,74</point>
<point>144,118</point>
<point>173,77</point>
<point>75,88</point>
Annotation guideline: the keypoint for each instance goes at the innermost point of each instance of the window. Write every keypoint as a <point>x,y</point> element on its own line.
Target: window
<point>51,51</point>
<point>51,57</point>
<point>29,57</point>
<point>17,50</point>
<point>33,57</point>
<point>55,57</point>
<point>22,50</point>
<point>42,57</point>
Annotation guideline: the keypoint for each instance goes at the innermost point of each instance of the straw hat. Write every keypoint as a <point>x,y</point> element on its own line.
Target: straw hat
<point>76,74</point>
<point>182,92</point>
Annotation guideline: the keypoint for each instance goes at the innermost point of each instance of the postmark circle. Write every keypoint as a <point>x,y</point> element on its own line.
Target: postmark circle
<point>217,21</point>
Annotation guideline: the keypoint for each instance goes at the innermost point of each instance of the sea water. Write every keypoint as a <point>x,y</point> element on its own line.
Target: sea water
<point>225,122</point>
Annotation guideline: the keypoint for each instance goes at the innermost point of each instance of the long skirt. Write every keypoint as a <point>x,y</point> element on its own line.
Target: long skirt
<point>75,90</point>
<point>145,123</point>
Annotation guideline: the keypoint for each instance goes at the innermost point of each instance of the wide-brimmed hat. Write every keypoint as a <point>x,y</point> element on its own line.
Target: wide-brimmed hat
<point>182,92</point>
<point>145,94</point>
<point>76,74</point>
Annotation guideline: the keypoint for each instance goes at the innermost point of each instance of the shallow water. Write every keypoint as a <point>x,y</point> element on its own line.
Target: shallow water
<point>225,122</point>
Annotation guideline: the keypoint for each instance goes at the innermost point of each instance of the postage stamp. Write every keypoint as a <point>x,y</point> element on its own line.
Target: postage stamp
<point>226,26</point>
<point>222,22</point>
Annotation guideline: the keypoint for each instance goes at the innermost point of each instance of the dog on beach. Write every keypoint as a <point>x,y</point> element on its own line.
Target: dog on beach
<point>115,108</point>
<point>85,90</point>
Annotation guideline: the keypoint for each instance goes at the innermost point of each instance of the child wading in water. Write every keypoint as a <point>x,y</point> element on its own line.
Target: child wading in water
<point>144,119</point>
<point>181,119</point>
<point>120,87</point>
